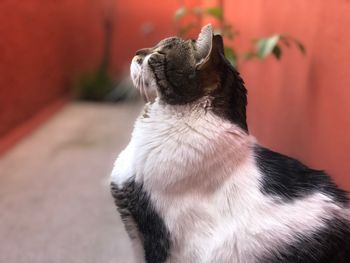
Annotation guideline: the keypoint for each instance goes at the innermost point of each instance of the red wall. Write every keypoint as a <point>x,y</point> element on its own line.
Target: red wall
<point>42,45</point>
<point>300,106</point>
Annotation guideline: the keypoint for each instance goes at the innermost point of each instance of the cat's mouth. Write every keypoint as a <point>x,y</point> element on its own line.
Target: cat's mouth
<point>140,75</point>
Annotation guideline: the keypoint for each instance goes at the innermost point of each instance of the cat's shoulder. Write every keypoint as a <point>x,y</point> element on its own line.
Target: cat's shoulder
<point>290,179</point>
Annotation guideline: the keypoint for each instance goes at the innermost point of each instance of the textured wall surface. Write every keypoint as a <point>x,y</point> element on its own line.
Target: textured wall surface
<point>300,106</point>
<point>42,45</point>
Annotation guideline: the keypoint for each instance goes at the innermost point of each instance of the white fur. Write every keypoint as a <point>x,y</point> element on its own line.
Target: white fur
<point>203,180</point>
<point>140,74</point>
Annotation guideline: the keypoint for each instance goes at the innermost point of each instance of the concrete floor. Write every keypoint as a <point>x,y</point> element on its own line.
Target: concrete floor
<point>55,204</point>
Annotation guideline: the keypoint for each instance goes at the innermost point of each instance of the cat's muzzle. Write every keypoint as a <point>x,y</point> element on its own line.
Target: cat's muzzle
<point>141,77</point>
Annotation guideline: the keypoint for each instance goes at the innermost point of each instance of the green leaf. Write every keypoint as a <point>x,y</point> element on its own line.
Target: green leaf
<point>180,12</point>
<point>215,12</point>
<point>301,47</point>
<point>231,55</point>
<point>277,52</point>
<point>265,46</point>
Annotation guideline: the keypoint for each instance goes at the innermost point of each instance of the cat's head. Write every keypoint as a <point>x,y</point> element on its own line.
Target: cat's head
<point>183,71</point>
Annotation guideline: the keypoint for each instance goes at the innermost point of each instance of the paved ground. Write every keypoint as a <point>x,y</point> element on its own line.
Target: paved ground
<point>55,204</point>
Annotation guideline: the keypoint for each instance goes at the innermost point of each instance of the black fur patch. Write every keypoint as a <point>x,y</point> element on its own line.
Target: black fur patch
<point>230,94</point>
<point>134,205</point>
<point>290,179</point>
<point>230,99</point>
<point>328,245</point>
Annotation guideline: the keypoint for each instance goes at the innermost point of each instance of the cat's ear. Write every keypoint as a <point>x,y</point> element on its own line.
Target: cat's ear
<point>218,43</point>
<point>204,45</point>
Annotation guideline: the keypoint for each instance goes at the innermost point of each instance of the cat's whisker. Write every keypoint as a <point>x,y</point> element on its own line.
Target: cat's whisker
<point>144,92</point>
<point>145,89</point>
<point>140,87</point>
<point>146,95</point>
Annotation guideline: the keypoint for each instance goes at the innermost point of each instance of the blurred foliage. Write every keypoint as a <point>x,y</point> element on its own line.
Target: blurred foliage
<point>189,19</point>
<point>94,86</point>
<point>98,85</point>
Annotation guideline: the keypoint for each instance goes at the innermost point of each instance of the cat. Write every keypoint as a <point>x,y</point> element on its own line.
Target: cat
<point>194,186</point>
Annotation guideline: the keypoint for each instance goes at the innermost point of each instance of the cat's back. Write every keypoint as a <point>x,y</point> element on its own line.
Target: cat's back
<point>289,181</point>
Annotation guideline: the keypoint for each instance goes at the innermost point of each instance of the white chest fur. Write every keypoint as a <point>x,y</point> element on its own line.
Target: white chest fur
<point>176,143</point>
<point>202,177</point>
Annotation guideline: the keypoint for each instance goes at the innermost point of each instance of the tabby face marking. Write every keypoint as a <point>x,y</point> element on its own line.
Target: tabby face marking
<point>180,72</point>
<point>168,71</point>
<point>173,68</point>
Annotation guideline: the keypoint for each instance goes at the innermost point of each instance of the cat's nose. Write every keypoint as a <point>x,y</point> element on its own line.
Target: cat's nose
<point>139,60</point>
<point>142,52</point>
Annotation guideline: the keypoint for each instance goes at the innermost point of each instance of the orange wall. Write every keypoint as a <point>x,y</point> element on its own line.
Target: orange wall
<point>300,106</point>
<point>43,44</point>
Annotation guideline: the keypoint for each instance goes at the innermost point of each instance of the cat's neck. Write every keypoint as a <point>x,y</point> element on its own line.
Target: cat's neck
<point>189,142</point>
<point>194,110</point>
